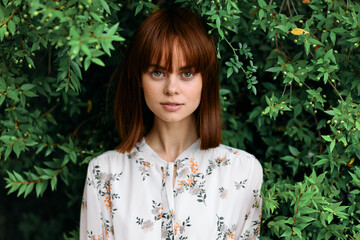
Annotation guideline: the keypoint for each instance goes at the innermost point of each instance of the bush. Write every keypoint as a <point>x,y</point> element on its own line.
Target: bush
<point>289,92</point>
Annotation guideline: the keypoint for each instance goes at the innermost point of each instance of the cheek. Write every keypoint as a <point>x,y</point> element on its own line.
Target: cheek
<point>197,90</point>
<point>151,96</point>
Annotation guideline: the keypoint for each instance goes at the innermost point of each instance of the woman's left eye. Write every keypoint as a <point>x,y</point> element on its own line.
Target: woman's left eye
<point>156,74</point>
<point>188,74</point>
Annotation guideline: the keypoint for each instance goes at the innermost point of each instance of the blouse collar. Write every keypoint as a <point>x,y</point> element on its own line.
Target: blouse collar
<point>152,155</point>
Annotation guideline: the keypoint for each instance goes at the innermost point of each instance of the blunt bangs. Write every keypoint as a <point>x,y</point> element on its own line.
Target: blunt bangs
<point>173,29</point>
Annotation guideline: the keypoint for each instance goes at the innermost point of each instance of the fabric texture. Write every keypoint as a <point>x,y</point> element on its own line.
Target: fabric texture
<point>216,195</point>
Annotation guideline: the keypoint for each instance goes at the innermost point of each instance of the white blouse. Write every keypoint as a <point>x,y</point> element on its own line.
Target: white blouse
<point>216,195</point>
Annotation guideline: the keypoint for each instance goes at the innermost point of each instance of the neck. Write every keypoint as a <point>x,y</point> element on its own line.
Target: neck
<point>168,140</point>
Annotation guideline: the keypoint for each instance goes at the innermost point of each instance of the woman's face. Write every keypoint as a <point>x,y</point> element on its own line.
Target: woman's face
<point>172,96</point>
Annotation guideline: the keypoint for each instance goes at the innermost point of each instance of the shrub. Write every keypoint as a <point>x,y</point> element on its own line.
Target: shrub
<point>289,92</point>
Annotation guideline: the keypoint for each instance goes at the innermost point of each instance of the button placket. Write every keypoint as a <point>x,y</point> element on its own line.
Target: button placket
<point>170,191</point>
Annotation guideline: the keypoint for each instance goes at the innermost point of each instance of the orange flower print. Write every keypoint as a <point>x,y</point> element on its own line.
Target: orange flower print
<point>176,228</point>
<point>182,182</point>
<point>230,236</point>
<point>83,205</point>
<point>190,180</point>
<point>107,202</point>
<point>193,166</point>
<point>163,173</point>
<point>147,164</point>
<point>99,237</point>
<point>108,188</point>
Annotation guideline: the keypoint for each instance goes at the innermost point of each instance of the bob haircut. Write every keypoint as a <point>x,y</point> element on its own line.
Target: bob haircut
<point>154,40</point>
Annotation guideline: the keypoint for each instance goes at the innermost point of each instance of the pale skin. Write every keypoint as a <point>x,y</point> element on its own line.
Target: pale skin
<point>172,97</point>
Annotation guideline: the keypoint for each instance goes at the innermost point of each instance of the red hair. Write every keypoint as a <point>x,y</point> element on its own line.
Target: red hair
<point>153,40</point>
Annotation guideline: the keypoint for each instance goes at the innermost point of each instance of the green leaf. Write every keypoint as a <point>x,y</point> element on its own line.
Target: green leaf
<point>53,183</point>
<point>138,9</point>
<point>30,61</point>
<point>332,145</point>
<point>262,3</point>
<point>274,69</point>
<point>113,29</point>
<point>294,151</point>
<point>87,63</point>
<point>150,5</point>
<point>326,138</point>
<point>356,39</point>
<point>229,72</point>
<point>29,188</point>
<point>2,32</point>
<point>261,14</point>
<point>11,27</point>
<point>13,95</point>
<point>105,6</point>
<point>98,62</point>
<point>22,189</point>
<point>307,47</point>
<point>27,86</point>
<point>333,37</point>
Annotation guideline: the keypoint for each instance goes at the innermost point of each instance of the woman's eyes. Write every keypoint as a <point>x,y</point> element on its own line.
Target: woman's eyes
<point>158,74</point>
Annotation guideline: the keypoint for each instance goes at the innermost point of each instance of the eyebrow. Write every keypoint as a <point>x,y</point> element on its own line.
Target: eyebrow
<point>188,67</point>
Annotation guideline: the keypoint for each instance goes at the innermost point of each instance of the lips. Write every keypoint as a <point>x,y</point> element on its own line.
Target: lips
<point>171,106</point>
<point>172,103</point>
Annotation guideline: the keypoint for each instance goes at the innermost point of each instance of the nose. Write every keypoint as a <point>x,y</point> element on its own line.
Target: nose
<point>171,85</point>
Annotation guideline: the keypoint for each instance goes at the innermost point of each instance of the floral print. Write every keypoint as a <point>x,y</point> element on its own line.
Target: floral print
<point>216,195</point>
<point>190,180</point>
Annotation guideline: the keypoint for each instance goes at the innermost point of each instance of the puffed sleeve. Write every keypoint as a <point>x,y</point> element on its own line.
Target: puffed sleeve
<point>91,226</point>
<point>252,221</point>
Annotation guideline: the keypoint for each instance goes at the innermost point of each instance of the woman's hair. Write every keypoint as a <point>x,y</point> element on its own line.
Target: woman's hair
<point>154,40</point>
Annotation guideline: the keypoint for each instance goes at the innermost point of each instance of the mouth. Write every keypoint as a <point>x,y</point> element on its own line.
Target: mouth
<point>171,103</point>
<point>171,106</point>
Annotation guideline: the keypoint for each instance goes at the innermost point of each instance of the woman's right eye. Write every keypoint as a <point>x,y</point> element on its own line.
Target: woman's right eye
<point>156,74</point>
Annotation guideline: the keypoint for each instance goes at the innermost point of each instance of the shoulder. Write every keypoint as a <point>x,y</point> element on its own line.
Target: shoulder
<point>109,161</point>
<point>236,155</point>
<point>242,163</point>
<point>243,157</point>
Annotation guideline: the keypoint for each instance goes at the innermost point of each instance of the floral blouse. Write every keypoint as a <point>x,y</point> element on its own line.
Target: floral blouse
<point>216,195</point>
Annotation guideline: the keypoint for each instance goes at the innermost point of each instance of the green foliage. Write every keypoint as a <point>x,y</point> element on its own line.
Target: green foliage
<point>289,92</point>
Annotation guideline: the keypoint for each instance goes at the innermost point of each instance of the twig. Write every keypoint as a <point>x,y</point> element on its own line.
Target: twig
<point>7,20</point>
<point>336,90</point>
<point>41,180</point>
<point>283,91</point>
<point>48,112</point>
<point>282,5</point>
<point>296,212</point>
<point>82,123</point>
<point>292,2</point>
<point>306,86</point>
<point>288,5</point>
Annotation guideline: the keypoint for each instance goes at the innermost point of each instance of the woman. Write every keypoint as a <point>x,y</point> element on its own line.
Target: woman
<point>170,178</point>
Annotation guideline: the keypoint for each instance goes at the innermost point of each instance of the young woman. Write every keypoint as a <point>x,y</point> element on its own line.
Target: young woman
<point>170,178</point>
